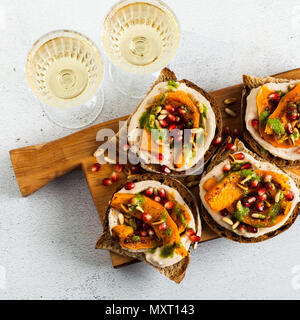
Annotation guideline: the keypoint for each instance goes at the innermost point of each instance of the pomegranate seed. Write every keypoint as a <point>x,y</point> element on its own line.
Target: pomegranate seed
<point>252,229</point>
<point>247,204</point>
<point>242,227</point>
<point>236,132</point>
<point>178,119</point>
<point>162,193</point>
<point>114,177</point>
<point>217,141</point>
<point>227,131</point>
<point>160,156</point>
<point>119,167</point>
<point>195,238</point>
<point>95,167</point>
<point>289,195</point>
<point>163,226</point>
<point>270,186</point>
<point>268,178</point>
<point>143,233</point>
<point>239,156</point>
<point>231,146</point>
<point>129,186</point>
<point>255,123</point>
<point>254,183</point>
<point>146,217</point>
<point>246,166</point>
<point>260,206</point>
<point>165,169</point>
<point>149,192</point>
<point>157,198</point>
<point>224,213</point>
<point>163,123</point>
<point>107,182</point>
<point>135,169</point>
<point>172,127</point>
<point>169,108</point>
<point>171,117</point>
<point>261,191</point>
<point>190,232</point>
<point>182,111</point>
<point>274,97</point>
<point>262,198</point>
<point>227,167</point>
<point>169,205</point>
<point>293,116</point>
<point>289,128</point>
<point>151,232</point>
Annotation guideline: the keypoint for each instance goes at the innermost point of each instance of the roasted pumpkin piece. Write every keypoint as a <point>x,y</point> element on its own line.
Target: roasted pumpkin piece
<point>181,217</point>
<point>209,183</point>
<point>224,193</point>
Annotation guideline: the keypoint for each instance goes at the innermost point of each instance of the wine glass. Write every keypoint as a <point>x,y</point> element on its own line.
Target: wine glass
<point>140,38</point>
<point>64,70</point>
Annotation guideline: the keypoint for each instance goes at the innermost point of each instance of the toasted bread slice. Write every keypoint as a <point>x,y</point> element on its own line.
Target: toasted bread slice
<point>164,76</point>
<point>250,83</point>
<point>174,272</point>
<point>225,233</point>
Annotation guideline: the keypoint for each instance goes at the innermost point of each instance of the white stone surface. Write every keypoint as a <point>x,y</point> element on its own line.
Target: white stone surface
<point>47,240</point>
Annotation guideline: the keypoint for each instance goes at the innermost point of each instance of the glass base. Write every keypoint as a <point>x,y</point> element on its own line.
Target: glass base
<point>78,116</point>
<point>130,84</point>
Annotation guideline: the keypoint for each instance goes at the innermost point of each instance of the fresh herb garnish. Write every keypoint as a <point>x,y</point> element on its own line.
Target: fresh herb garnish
<point>164,217</point>
<point>275,210</point>
<point>144,119</point>
<point>172,84</point>
<point>168,232</point>
<point>241,212</point>
<point>262,150</point>
<point>168,251</point>
<point>162,98</point>
<point>136,238</point>
<point>277,126</point>
<point>248,172</point>
<point>204,111</point>
<point>263,118</point>
<point>182,218</point>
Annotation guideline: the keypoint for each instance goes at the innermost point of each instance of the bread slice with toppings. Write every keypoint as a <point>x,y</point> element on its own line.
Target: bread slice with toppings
<point>271,119</point>
<point>179,105</point>
<point>247,199</point>
<point>155,219</point>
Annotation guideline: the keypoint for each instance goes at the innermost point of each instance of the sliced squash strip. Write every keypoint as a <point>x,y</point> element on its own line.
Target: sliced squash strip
<point>181,217</point>
<point>125,236</point>
<point>224,193</point>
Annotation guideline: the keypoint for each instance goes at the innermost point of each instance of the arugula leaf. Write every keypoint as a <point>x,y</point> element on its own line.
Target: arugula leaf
<point>248,172</point>
<point>144,119</point>
<point>275,210</point>
<point>277,126</point>
<point>241,212</point>
<point>136,238</point>
<point>172,84</point>
<point>263,118</point>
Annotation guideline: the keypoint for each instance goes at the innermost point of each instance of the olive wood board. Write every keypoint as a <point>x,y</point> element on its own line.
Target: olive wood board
<point>37,165</point>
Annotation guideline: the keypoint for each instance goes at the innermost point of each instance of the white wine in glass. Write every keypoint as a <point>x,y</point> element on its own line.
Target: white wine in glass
<point>140,37</point>
<point>64,70</point>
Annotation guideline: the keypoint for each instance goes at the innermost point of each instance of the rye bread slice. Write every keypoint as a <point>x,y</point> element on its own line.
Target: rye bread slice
<point>251,82</point>
<point>223,232</point>
<point>166,75</point>
<point>177,271</point>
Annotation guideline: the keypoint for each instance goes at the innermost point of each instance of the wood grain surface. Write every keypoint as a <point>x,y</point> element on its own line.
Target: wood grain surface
<point>35,166</point>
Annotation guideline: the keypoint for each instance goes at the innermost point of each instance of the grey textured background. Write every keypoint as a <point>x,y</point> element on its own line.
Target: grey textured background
<point>47,240</point>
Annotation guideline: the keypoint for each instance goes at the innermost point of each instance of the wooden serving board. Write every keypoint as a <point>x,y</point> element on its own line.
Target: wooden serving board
<point>35,166</point>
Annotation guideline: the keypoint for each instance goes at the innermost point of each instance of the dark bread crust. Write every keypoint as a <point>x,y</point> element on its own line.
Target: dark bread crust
<point>221,231</point>
<point>177,271</point>
<point>250,83</point>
